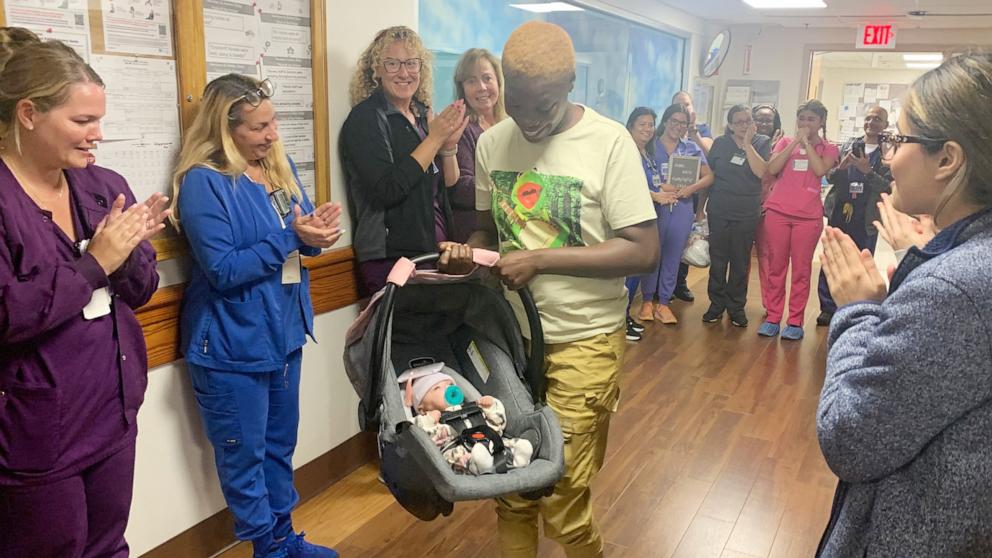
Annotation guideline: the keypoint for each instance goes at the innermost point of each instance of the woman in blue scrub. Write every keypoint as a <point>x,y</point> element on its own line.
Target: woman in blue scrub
<point>246,310</point>
<point>674,220</point>
<point>641,125</point>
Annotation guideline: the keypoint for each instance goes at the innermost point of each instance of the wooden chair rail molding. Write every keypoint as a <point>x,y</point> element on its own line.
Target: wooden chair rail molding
<point>332,285</point>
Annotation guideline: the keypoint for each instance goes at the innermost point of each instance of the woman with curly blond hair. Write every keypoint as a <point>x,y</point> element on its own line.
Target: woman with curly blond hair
<point>397,161</point>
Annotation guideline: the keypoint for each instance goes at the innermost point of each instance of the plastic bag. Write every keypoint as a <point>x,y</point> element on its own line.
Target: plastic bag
<point>697,249</point>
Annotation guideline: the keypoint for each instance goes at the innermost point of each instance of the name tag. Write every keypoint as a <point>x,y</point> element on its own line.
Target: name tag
<point>291,269</point>
<point>800,165</point>
<point>857,188</point>
<point>738,160</point>
<point>656,180</point>
<point>664,170</point>
<point>100,301</point>
<point>99,304</point>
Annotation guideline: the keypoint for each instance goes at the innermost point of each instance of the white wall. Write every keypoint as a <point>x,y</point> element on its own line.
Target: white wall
<point>175,485</point>
<point>783,54</point>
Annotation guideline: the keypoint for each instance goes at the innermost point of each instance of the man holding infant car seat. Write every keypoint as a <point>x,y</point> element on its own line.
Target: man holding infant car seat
<point>561,192</point>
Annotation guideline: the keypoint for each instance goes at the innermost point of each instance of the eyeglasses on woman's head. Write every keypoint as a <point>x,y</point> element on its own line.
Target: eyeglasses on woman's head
<point>254,97</point>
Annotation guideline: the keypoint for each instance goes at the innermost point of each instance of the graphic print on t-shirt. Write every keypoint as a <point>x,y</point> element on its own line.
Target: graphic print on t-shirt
<point>534,210</point>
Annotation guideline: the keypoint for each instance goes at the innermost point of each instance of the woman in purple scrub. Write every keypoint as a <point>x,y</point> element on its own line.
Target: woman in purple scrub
<point>74,264</point>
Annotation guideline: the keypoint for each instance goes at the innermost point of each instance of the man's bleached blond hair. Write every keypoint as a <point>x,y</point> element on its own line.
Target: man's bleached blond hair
<point>539,50</point>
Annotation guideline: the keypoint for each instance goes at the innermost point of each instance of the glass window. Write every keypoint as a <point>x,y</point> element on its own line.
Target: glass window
<point>620,64</point>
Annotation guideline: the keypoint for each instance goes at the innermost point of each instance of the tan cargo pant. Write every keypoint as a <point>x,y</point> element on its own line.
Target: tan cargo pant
<point>583,390</point>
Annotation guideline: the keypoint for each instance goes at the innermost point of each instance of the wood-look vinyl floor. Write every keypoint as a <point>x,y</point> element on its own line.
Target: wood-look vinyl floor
<point>713,453</point>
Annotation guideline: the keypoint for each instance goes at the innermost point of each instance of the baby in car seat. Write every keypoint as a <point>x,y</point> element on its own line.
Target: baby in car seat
<point>441,410</point>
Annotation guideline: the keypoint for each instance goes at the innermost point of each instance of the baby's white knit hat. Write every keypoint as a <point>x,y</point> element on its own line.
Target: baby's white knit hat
<point>420,380</point>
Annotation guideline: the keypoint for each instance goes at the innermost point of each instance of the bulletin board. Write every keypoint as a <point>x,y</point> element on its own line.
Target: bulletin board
<point>859,97</point>
<point>156,56</point>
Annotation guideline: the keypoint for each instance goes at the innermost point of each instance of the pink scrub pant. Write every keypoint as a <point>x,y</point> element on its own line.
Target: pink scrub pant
<point>788,240</point>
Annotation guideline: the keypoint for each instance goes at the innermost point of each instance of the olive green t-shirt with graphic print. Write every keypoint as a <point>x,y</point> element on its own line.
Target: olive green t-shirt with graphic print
<point>574,188</point>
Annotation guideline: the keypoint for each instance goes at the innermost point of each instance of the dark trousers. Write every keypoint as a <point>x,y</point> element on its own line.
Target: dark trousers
<point>730,262</point>
<point>680,280</point>
<point>78,517</point>
<point>859,234</point>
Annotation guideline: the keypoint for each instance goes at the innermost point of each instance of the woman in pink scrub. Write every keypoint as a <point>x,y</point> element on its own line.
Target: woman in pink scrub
<point>794,217</point>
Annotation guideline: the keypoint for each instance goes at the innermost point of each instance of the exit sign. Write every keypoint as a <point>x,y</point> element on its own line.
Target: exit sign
<point>876,36</point>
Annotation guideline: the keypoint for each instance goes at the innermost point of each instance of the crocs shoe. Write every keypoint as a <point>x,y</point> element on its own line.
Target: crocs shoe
<point>768,329</point>
<point>792,333</point>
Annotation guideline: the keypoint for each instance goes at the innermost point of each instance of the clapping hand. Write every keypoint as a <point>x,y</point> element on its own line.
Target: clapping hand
<point>329,213</point>
<point>315,231</point>
<point>851,273</point>
<point>900,230</point>
<point>449,124</point>
<point>120,231</point>
<point>157,214</point>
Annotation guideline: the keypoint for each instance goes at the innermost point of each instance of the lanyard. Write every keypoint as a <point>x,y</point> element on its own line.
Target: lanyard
<point>651,163</point>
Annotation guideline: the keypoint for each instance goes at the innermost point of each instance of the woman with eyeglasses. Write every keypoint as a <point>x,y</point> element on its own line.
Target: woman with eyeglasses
<point>675,216</point>
<point>246,310</point>
<point>74,266</point>
<point>738,159</point>
<point>794,218</point>
<point>906,407</point>
<point>398,162</point>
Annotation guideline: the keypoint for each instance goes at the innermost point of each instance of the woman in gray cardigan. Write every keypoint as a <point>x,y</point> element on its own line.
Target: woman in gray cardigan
<point>905,416</point>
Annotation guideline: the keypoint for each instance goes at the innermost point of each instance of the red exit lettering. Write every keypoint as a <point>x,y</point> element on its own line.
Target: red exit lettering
<point>876,36</point>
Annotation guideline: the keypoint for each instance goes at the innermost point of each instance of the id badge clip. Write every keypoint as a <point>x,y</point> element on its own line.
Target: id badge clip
<point>281,203</point>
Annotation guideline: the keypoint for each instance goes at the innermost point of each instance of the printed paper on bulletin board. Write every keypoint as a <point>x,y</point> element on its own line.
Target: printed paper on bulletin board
<point>129,44</point>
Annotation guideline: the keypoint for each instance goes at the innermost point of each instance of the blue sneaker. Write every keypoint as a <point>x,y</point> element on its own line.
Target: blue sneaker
<point>768,329</point>
<point>266,547</point>
<point>792,333</point>
<point>296,547</point>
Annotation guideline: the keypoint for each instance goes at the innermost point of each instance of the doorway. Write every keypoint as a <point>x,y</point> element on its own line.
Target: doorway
<point>851,82</point>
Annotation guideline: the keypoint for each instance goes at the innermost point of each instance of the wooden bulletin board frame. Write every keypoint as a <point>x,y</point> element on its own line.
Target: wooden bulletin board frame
<point>190,54</point>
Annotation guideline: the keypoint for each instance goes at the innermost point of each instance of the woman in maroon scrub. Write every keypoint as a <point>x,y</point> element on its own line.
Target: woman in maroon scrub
<point>74,263</point>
